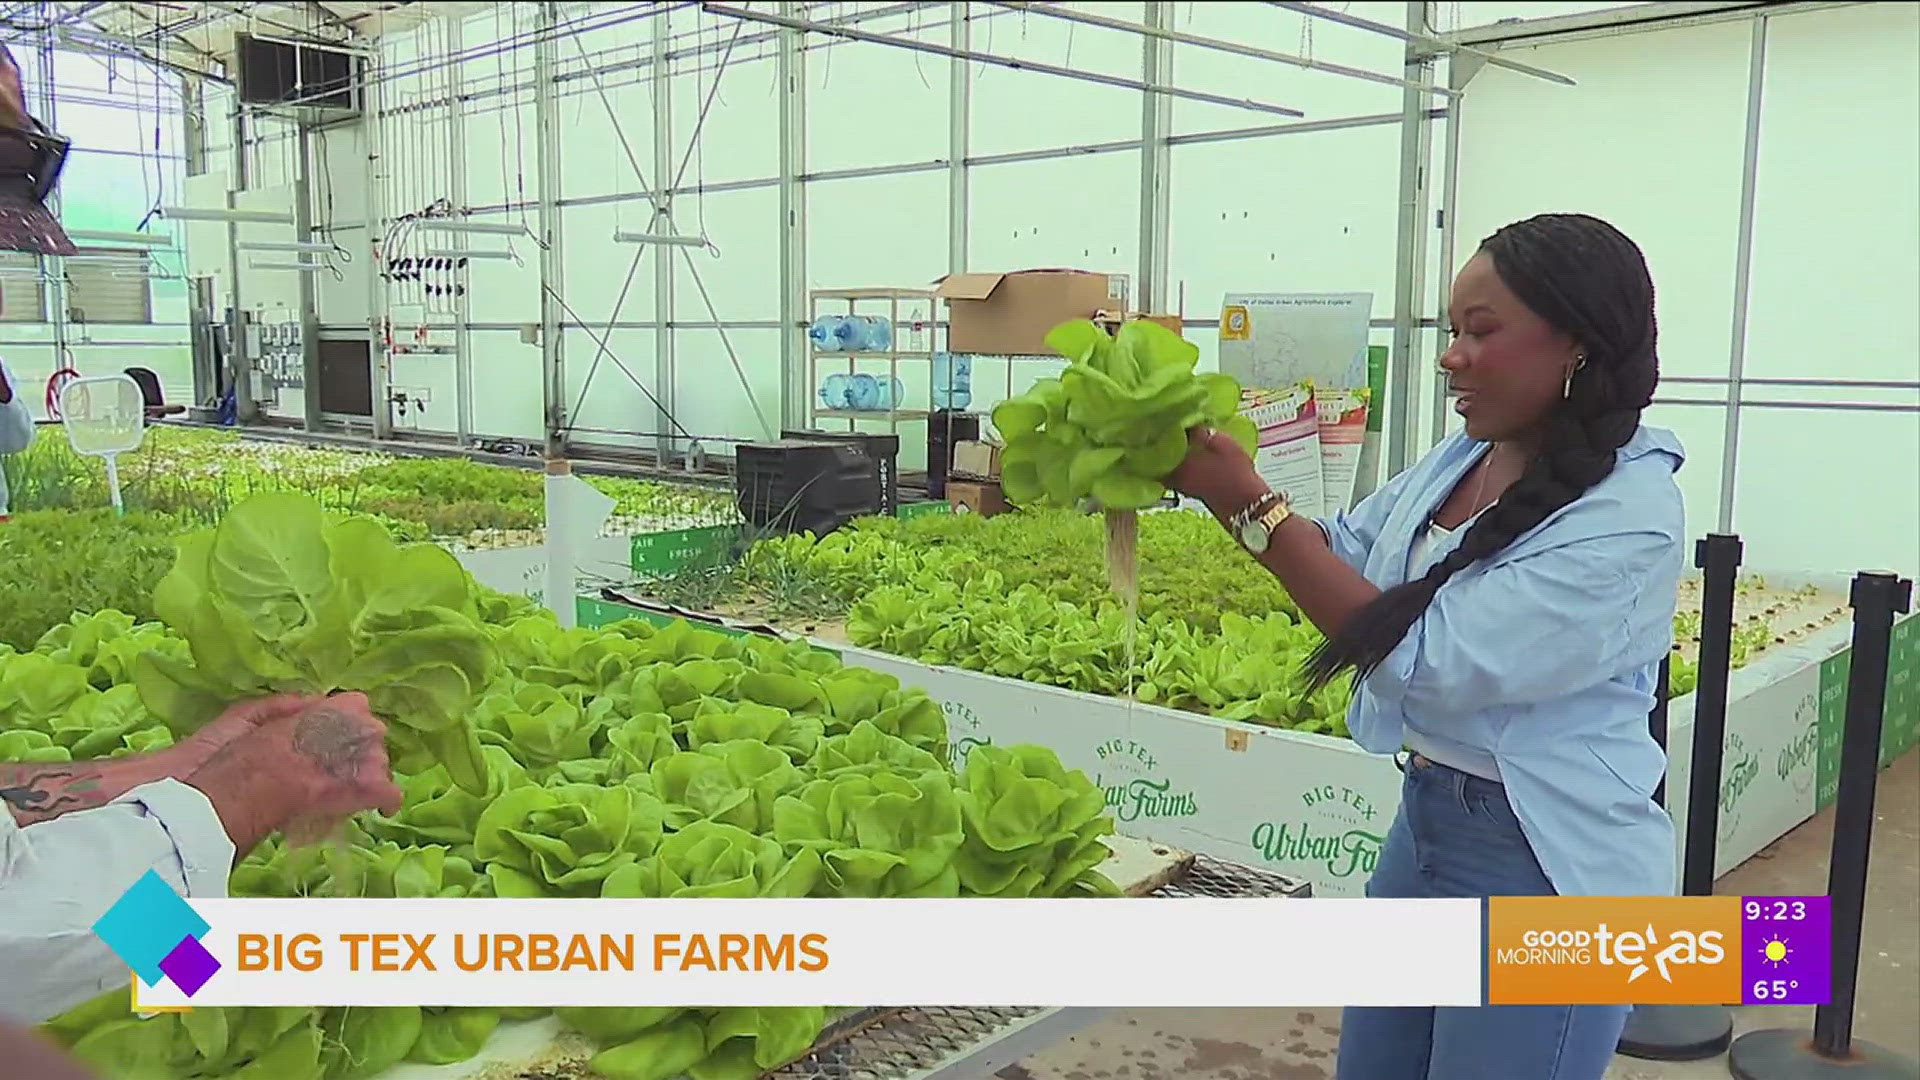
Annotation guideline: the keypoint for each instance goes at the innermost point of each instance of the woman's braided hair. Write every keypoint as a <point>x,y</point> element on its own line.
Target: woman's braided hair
<point>1587,280</point>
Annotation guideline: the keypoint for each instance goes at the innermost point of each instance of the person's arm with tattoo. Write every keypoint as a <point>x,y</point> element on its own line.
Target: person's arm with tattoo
<point>76,836</point>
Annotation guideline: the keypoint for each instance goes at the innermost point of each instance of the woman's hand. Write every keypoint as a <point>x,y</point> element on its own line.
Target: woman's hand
<point>1219,473</point>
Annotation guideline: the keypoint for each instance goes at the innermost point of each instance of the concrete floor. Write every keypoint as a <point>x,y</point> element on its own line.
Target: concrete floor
<point>1299,1044</point>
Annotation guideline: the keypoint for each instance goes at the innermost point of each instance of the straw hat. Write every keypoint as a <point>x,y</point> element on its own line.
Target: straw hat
<point>30,161</point>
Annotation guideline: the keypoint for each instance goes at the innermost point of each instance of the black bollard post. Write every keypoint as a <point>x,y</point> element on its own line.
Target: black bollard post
<point>1783,1054</point>
<point>1657,718</point>
<point>1696,1032</point>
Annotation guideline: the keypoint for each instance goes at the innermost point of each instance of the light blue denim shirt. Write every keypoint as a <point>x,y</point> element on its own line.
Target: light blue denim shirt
<point>1544,657</point>
<point>16,427</point>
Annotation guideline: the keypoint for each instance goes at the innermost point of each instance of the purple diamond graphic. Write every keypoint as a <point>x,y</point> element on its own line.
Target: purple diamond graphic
<point>189,965</point>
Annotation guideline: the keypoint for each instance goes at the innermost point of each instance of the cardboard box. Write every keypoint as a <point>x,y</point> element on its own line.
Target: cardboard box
<point>1010,314</point>
<point>976,496</point>
<point>976,459</point>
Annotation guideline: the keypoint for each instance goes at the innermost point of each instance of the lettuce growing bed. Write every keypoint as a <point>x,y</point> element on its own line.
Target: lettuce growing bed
<point>1306,802</point>
<point>629,760</point>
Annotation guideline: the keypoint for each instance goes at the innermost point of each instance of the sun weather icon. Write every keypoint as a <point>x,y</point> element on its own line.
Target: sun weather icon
<point>1775,951</point>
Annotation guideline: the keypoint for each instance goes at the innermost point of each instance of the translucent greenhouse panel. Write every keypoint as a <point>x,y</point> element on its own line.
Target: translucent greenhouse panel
<point>1828,490</point>
<point>1615,146</point>
<point>501,290</point>
<point>741,274</point>
<point>339,177</point>
<point>740,138</point>
<point>1080,212</point>
<point>1701,430</point>
<point>603,279</point>
<point>711,401</point>
<point>1076,112</point>
<point>502,128</point>
<point>613,405</point>
<point>607,116</point>
<point>503,156</point>
<point>870,104</point>
<point>1320,95</point>
<point>1322,219</point>
<point>1835,266</point>
<point>507,398</point>
<point>115,192</point>
<point>878,231</point>
<point>343,302</point>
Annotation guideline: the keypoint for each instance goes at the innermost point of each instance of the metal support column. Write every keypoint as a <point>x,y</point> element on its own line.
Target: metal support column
<point>246,407</point>
<point>379,314</point>
<point>1416,134</point>
<point>1461,68</point>
<point>53,268</point>
<point>1156,160</point>
<point>1742,274</point>
<point>547,135</point>
<point>959,135</point>
<point>457,191</point>
<point>309,317</point>
<point>663,270</point>
<point>795,370</point>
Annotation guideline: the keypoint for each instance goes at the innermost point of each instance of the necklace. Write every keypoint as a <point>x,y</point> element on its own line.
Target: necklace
<point>1480,489</point>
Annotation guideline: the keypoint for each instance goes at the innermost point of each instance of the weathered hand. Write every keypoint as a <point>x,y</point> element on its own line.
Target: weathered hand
<point>302,772</point>
<point>187,755</point>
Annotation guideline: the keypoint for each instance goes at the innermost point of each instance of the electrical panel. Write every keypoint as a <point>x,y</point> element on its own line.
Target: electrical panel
<point>275,358</point>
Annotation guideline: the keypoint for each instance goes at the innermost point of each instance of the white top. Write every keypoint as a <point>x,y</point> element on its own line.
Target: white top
<point>1453,755</point>
<point>59,876</point>
<point>16,426</point>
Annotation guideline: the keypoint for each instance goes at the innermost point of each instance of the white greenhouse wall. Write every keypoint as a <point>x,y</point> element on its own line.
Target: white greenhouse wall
<point>1256,203</point>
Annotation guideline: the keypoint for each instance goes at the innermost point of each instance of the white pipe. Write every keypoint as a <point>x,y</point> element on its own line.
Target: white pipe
<point>303,267</point>
<point>497,228</point>
<point>281,245</point>
<point>659,238</point>
<point>203,213</point>
<point>449,253</point>
<point>145,239</point>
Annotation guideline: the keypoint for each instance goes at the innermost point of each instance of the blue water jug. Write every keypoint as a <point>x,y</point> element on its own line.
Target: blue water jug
<point>826,332</point>
<point>879,335</point>
<point>891,392</point>
<point>952,381</point>
<point>836,391</point>
<point>864,394</point>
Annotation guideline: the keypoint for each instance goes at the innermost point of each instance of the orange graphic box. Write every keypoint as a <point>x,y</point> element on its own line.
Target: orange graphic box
<point>1593,950</point>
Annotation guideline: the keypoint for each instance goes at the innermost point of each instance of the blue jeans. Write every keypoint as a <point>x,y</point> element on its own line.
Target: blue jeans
<point>1456,836</point>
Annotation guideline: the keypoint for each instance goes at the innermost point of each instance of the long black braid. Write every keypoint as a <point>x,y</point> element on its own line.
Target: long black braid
<point>1586,279</point>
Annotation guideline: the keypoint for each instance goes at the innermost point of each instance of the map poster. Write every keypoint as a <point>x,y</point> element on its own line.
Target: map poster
<point>1278,342</point>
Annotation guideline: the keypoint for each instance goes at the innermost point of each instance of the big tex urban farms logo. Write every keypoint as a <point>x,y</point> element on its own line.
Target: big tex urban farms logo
<point>1341,830</point>
<point>1653,950</point>
<point>1135,789</point>
<point>158,935</point>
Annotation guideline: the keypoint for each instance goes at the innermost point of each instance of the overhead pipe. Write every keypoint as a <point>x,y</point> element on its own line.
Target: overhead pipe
<point>1429,41</point>
<point>1056,11</point>
<point>997,60</point>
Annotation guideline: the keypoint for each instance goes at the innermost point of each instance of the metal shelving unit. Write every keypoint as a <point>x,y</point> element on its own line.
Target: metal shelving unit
<point>819,300</point>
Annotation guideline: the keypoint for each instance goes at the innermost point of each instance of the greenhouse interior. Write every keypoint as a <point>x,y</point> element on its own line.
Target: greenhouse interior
<point>864,449</point>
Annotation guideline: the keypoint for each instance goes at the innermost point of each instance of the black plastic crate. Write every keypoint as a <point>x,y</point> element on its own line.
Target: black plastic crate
<point>804,485</point>
<point>944,429</point>
<point>884,449</point>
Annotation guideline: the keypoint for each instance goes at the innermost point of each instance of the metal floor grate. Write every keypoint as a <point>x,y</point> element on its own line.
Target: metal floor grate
<point>923,1043</point>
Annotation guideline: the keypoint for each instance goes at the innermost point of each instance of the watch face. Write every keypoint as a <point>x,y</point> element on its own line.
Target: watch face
<point>1253,536</point>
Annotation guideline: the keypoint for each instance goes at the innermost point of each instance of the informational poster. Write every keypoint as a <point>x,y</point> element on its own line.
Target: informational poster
<point>1275,344</point>
<point>1288,454</point>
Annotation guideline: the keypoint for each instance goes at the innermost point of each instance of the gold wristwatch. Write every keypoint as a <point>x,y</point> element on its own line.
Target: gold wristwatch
<point>1254,526</point>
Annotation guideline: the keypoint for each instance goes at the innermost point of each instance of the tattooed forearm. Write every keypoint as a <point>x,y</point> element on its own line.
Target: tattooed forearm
<point>35,792</point>
<point>334,740</point>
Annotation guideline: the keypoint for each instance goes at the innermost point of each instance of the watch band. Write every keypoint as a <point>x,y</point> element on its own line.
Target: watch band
<point>1253,510</point>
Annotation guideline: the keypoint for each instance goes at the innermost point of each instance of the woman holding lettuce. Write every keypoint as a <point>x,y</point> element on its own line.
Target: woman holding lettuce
<point>1504,605</point>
